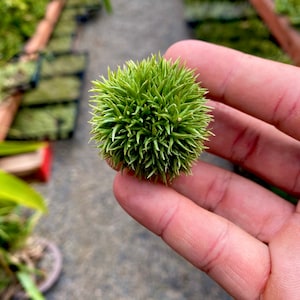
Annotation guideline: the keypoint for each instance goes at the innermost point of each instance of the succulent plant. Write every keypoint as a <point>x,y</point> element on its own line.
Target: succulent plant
<point>150,117</point>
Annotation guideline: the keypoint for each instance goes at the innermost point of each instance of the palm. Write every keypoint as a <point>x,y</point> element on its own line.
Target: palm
<point>243,236</point>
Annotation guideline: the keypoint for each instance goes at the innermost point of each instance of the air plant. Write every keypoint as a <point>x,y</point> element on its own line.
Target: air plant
<point>150,117</point>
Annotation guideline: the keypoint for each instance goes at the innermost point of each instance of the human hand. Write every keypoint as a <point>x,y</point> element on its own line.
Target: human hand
<point>243,236</point>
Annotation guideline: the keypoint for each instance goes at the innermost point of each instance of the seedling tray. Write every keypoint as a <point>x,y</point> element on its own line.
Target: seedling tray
<point>59,44</point>
<point>58,89</point>
<point>287,36</point>
<point>52,122</point>
<point>19,75</point>
<point>83,3</point>
<point>221,11</point>
<point>85,9</point>
<point>70,63</point>
<point>65,28</point>
<point>250,36</point>
<point>71,13</point>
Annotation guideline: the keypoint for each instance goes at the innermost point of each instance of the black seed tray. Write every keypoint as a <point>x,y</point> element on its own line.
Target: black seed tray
<point>64,64</point>
<point>52,122</point>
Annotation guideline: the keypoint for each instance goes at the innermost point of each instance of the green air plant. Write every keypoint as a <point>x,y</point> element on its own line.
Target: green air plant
<point>150,117</point>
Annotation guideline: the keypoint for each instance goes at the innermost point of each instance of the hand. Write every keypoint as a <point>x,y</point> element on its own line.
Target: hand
<point>243,236</point>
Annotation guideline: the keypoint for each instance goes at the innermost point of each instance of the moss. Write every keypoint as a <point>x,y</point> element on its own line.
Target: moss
<point>50,122</point>
<point>64,28</point>
<point>65,64</point>
<point>17,23</point>
<point>17,74</point>
<point>54,90</point>
<point>78,3</point>
<point>250,36</point>
<point>289,8</point>
<point>60,44</point>
<point>232,31</point>
<point>70,13</point>
<point>218,11</point>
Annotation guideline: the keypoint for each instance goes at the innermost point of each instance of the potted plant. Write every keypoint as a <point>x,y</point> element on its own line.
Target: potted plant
<point>23,272</point>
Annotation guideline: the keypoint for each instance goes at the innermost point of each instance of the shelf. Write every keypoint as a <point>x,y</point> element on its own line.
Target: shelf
<point>8,109</point>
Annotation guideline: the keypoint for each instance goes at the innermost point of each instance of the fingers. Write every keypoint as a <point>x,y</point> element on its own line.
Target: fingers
<point>256,146</point>
<point>236,260</point>
<point>284,251</point>
<point>256,210</point>
<point>267,90</point>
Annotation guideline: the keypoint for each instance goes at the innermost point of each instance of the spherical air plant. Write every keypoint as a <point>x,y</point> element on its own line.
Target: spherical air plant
<point>150,117</point>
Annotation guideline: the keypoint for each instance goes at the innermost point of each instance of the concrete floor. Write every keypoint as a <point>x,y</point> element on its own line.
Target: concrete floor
<point>107,255</point>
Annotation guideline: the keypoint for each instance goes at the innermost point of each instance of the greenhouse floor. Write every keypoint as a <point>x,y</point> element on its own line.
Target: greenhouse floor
<point>106,254</point>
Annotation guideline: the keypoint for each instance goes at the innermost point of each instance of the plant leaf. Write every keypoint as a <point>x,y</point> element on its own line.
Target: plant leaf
<point>18,191</point>
<point>107,5</point>
<point>12,147</point>
<point>29,286</point>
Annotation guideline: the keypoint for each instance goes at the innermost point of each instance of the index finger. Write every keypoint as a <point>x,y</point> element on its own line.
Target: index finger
<point>232,257</point>
<point>264,89</point>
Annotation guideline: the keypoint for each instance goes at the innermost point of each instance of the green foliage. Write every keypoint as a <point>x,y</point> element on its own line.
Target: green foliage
<point>15,229</point>
<point>250,36</point>
<point>107,5</point>
<point>15,76</point>
<point>17,23</point>
<point>290,8</point>
<point>11,147</point>
<point>19,192</point>
<point>150,117</point>
<point>54,90</point>
<point>50,122</point>
<point>63,64</point>
<point>29,285</point>
<point>204,11</point>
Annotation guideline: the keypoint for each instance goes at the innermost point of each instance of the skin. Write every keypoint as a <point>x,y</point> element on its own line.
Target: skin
<point>243,236</point>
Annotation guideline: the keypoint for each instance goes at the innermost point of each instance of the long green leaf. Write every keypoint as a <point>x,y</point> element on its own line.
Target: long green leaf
<point>18,191</point>
<point>12,147</point>
<point>29,286</point>
<point>107,5</point>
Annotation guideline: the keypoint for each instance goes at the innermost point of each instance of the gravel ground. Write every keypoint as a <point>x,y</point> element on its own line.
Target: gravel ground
<point>107,255</point>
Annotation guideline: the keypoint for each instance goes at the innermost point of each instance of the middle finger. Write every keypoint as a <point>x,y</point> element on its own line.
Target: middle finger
<point>256,146</point>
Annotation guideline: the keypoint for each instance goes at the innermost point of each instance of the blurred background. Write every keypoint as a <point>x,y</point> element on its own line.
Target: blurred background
<point>50,51</point>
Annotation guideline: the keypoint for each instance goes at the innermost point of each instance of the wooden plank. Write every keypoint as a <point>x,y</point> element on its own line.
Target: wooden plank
<point>8,109</point>
<point>45,27</point>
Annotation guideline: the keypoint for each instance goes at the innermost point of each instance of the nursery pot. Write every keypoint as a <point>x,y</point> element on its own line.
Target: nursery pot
<point>50,262</point>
